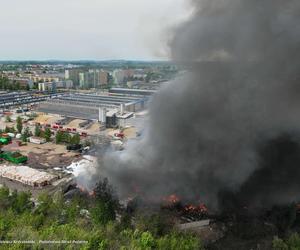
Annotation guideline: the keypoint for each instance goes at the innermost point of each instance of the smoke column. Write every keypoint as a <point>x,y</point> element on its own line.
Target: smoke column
<point>232,123</point>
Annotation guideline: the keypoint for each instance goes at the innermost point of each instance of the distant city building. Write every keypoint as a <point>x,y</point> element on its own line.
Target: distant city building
<point>86,80</point>
<point>129,73</point>
<point>93,78</point>
<point>121,76</point>
<point>81,80</point>
<point>103,77</point>
<point>73,75</point>
<point>118,76</point>
<point>47,86</point>
<point>68,84</point>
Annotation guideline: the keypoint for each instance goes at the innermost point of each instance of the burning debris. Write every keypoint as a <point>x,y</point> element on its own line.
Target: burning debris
<point>85,191</point>
<point>172,199</point>
<point>242,226</point>
<point>186,212</point>
<point>195,210</point>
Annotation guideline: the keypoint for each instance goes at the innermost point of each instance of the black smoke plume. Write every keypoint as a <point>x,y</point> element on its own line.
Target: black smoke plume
<point>232,124</point>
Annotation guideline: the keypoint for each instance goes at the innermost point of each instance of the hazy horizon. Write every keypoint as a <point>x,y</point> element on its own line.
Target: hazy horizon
<point>86,60</point>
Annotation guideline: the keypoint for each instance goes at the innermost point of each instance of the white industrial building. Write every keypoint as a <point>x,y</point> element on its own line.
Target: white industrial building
<point>86,106</point>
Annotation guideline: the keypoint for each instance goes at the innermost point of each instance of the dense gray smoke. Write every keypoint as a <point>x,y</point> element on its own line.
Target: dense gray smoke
<point>231,125</point>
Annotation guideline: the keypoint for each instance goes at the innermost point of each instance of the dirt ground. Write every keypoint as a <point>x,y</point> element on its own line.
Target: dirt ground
<point>74,123</point>
<point>46,155</point>
<point>50,119</point>
<point>130,132</point>
<point>94,129</point>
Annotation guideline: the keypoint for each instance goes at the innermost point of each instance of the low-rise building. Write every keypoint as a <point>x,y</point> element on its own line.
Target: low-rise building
<point>37,140</point>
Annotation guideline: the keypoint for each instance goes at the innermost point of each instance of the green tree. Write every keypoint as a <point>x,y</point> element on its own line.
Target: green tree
<point>37,130</point>
<point>4,198</point>
<point>59,137</point>
<point>157,224</point>
<point>103,212</point>
<point>147,241</point>
<point>72,211</point>
<point>279,244</point>
<point>66,137</point>
<point>75,139</point>
<point>19,124</point>
<point>25,135</point>
<point>47,134</point>
<point>9,130</point>
<point>87,143</point>
<point>45,203</point>
<point>293,242</point>
<point>106,203</point>
<point>22,202</point>
<point>7,118</point>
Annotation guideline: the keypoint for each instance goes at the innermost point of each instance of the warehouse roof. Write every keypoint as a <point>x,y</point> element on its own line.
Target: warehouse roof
<point>133,91</point>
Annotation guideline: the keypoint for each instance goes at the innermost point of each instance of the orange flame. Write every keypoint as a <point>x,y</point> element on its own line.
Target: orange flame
<point>200,208</point>
<point>172,199</point>
<point>84,190</point>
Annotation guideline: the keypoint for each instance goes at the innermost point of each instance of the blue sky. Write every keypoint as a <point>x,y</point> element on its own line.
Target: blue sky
<point>87,29</point>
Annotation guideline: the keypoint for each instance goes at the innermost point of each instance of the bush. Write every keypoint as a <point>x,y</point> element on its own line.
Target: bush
<point>176,241</point>
<point>19,124</point>
<point>37,130</point>
<point>103,212</point>
<point>155,223</point>
<point>7,118</point>
<point>293,242</point>
<point>25,134</point>
<point>9,130</point>
<point>47,134</point>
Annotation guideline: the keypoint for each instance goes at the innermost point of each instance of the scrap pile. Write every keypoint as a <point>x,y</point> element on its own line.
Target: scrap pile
<point>27,175</point>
